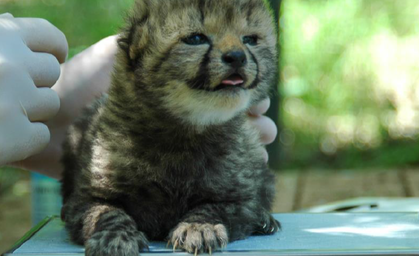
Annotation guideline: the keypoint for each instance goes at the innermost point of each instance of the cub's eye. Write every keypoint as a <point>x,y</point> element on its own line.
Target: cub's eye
<point>250,40</point>
<point>195,39</point>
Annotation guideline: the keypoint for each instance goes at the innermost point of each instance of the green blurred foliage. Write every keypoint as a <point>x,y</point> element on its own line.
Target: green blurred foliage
<point>8,177</point>
<point>84,22</point>
<point>350,83</point>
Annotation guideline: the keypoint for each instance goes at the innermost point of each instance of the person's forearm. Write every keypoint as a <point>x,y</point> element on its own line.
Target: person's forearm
<point>84,78</point>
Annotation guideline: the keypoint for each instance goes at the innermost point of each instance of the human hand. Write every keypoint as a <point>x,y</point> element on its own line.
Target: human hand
<point>30,52</point>
<point>84,78</point>
<point>264,124</point>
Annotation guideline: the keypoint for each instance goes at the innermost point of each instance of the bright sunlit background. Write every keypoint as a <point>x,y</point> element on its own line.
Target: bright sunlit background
<point>350,83</point>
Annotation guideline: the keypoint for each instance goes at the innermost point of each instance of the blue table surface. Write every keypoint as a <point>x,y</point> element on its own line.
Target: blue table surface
<point>302,234</point>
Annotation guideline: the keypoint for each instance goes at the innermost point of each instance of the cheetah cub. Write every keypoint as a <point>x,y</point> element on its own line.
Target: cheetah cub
<point>168,153</point>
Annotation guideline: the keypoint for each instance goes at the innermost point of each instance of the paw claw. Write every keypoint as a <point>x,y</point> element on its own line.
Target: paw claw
<point>196,238</point>
<point>269,225</point>
<point>223,243</point>
<point>279,225</point>
<point>175,245</point>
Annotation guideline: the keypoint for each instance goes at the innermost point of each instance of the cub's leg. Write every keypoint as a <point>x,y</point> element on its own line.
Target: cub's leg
<point>211,226</point>
<point>105,230</point>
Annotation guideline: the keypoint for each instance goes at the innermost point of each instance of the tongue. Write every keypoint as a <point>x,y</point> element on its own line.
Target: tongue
<point>235,81</point>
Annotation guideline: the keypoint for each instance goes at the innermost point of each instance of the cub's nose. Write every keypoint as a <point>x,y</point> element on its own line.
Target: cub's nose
<point>236,59</point>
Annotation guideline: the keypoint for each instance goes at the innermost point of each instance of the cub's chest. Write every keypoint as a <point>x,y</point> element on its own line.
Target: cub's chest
<point>163,204</point>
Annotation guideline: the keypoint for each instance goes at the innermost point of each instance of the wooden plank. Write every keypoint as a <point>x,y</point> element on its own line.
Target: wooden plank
<point>286,189</point>
<point>319,187</point>
<point>411,182</point>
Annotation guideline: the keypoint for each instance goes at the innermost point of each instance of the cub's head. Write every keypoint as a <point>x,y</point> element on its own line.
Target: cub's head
<point>204,61</point>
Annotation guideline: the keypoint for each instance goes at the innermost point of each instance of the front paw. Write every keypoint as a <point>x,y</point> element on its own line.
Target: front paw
<point>197,238</point>
<point>268,226</point>
<point>116,243</point>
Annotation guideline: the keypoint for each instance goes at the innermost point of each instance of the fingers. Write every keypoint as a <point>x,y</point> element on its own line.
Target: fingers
<point>24,139</point>
<point>41,36</point>
<point>265,155</point>
<point>39,139</point>
<point>44,69</point>
<point>260,108</point>
<point>24,106</point>
<point>43,106</point>
<point>265,125</point>
<point>18,89</point>
<point>267,128</point>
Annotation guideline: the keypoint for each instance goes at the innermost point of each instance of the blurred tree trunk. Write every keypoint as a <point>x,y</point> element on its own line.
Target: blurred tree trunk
<point>275,6</point>
<point>274,148</point>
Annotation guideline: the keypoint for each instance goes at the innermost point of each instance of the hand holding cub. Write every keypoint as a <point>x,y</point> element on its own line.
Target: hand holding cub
<point>30,52</point>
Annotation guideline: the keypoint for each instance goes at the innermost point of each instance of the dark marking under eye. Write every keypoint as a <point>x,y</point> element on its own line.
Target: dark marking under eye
<point>256,81</point>
<point>200,80</point>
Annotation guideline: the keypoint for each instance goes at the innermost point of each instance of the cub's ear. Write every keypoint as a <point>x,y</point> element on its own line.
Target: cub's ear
<point>135,35</point>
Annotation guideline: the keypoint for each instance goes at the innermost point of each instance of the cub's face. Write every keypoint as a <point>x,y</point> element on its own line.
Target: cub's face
<point>207,60</point>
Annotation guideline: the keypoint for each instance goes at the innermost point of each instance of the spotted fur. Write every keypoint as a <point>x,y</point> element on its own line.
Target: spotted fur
<point>168,153</point>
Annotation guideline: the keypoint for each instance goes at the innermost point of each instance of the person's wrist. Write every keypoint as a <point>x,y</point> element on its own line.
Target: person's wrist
<point>83,78</point>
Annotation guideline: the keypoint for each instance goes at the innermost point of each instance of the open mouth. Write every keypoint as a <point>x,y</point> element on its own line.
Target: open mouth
<point>231,82</point>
